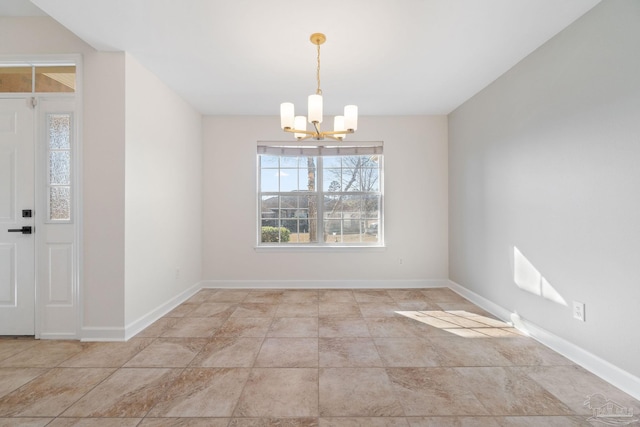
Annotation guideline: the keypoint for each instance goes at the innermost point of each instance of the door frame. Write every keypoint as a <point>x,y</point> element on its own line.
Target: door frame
<point>41,330</point>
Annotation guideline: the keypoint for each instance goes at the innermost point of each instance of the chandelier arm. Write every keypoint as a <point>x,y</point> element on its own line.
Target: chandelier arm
<point>331,137</point>
<point>306,132</point>
<point>338,132</point>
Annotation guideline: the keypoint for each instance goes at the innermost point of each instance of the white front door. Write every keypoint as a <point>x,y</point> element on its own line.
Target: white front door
<point>17,188</point>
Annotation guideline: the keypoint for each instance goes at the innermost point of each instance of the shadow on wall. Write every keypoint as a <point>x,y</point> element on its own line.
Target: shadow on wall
<point>529,279</point>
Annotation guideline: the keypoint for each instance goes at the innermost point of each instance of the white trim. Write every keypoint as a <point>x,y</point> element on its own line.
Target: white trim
<point>58,336</point>
<point>30,60</point>
<point>143,322</point>
<point>293,247</point>
<point>620,378</point>
<point>100,333</point>
<point>78,179</point>
<point>324,284</point>
<point>52,104</point>
<point>491,307</point>
<point>321,143</point>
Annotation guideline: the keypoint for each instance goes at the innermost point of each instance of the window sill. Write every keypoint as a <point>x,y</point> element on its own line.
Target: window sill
<point>301,248</point>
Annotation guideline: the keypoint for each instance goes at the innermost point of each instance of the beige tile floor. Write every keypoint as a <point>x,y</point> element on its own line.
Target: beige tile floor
<point>340,358</point>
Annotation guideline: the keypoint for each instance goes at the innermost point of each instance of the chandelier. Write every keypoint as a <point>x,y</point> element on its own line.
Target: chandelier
<point>342,125</point>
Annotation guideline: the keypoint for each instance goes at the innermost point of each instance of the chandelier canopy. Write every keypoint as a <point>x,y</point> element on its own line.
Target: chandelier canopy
<point>342,125</point>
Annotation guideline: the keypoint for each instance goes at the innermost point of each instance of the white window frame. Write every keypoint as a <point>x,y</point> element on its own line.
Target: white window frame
<point>295,148</point>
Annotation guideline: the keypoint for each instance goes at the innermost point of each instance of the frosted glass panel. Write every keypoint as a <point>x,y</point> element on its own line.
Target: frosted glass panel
<point>60,167</point>
<point>60,203</point>
<point>59,131</point>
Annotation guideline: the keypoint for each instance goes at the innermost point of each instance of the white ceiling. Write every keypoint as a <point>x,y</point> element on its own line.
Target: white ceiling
<point>390,57</point>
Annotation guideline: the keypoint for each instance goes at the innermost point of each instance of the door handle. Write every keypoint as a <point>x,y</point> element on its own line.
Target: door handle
<point>24,230</point>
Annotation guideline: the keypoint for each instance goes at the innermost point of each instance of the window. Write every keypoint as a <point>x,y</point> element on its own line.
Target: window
<point>59,143</point>
<point>320,196</point>
<point>38,79</point>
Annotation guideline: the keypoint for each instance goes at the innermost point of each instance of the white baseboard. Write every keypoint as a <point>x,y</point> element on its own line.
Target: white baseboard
<point>324,284</point>
<point>143,322</point>
<point>57,336</point>
<point>90,333</point>
<point>498,311</point>
<point>620,378</point>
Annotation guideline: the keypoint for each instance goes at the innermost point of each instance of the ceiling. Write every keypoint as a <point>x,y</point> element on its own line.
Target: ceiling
<point>245,57</point>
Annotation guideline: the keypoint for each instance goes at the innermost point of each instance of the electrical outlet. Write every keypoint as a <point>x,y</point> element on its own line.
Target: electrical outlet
<point>578,310</point>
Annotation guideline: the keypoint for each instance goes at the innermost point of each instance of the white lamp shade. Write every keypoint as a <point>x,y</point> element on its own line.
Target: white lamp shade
<point>338,126</point>
<point>300,124</point>
<point>351,117</point>
<point>286,115</point>
<point>315,108</point>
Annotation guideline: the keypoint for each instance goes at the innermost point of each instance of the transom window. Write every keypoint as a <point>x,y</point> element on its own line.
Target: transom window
<point>320,196</point>
<point>38,79</point>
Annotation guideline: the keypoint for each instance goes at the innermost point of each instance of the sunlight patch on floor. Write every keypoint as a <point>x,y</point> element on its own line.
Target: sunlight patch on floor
<point>463,323</point>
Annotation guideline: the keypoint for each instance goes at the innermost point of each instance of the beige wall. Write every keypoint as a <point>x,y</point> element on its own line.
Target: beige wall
<point>103,182</point>
<point>415,208</point>
<point>545,160</point>
<point>163,193</point>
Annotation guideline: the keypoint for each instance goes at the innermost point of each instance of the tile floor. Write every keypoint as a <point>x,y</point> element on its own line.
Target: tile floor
<point>328,358</point>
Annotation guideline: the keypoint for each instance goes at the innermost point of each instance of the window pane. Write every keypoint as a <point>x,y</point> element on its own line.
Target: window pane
<point>290,214</point>
<point>56,79</point>
<point>60,167</point>
<point>269,180</point>
<point>351,218</point>
<point>309,179</point>
<point>59,131</point>
<point>60,203</point>
<point>357,173</point>
<point>269,207</point>
<point>370,179</point>
<point>289,162</point>
<point>308,172</point>
<point>288,180</point>
<point>372,207</point>
<point>16,79</point>
<point>268,161</point>
<point>332,179</point>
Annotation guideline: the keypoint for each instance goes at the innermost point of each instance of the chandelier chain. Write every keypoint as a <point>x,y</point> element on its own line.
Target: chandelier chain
<point>318,91</point>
